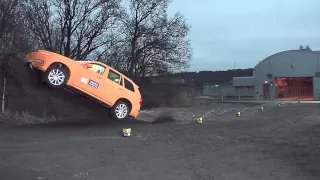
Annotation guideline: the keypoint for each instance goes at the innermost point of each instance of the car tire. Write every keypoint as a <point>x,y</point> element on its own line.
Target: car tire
<point>120,110</point>
<point>55,76</point>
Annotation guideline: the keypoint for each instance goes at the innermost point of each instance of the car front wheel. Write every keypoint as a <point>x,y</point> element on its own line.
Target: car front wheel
<point>56,76</point>
<point>120,110</point>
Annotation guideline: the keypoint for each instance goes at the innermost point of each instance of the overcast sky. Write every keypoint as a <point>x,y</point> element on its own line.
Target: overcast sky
<point>246,31</point>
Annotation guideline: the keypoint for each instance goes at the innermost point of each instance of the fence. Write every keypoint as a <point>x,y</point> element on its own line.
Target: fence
<point>229,92</point>
<point>169,95</point>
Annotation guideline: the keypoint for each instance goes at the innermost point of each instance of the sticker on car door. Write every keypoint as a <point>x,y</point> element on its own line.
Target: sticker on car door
<point>84,80</point>
<point>93,84</point>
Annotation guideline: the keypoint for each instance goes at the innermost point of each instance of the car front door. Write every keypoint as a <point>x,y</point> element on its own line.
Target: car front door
<point>91,79</point>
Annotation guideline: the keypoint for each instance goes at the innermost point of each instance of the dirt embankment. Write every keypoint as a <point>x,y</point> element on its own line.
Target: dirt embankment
<point>28,101</point>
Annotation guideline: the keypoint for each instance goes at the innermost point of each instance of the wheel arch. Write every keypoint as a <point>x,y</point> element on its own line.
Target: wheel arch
<point>127,101</point>
<point>64,66</point>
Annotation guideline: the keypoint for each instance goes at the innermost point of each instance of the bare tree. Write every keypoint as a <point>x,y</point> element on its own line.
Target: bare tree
<point>157,43</point>
<point>74,28</point>
<point>141,40</point>
<point>14,44</point>
<point>116,55</point>
<point>7,14</point>
<point>12,35</point>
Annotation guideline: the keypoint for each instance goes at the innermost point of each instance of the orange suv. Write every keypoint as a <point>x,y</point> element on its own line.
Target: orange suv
<point>91,78</point>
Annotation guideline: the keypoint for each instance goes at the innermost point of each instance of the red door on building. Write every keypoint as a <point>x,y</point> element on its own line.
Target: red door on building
<point>266,91</point>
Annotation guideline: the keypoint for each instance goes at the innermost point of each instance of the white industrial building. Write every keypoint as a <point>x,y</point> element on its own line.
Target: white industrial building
<point>287,75</point>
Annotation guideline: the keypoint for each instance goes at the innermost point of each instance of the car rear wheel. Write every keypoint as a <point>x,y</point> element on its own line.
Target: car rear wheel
<point>120,110</point>
<point>56,76</point>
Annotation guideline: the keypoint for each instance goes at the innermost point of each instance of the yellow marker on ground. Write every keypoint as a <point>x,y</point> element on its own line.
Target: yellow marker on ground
<point>126,132</point>
<point>238,114</point>
<point>199,120</point>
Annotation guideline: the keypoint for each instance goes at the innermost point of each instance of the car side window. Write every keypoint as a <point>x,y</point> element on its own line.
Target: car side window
<point>98,68</point>
<point>128,85</point>
<point>115,77</point>
<point>121,81</point>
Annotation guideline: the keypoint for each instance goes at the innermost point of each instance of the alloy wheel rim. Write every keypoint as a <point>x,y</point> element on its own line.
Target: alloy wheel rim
<point>121,111</point>
<point>56,77</point>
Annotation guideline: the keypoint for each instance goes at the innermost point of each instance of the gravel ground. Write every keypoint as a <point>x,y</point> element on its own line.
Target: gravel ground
<point>212,112</point>
<point>278,143</point>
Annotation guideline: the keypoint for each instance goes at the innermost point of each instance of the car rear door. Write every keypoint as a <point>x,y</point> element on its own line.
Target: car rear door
<point>112,88</point>
<point>132,94</point>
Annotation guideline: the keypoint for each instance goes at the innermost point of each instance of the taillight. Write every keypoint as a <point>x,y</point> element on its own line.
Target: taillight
<point>141,101</point>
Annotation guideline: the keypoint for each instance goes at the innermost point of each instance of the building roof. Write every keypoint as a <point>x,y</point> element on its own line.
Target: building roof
<point>288,51</point>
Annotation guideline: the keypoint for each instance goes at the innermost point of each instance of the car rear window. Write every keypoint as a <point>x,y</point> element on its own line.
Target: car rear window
<point>128,85</point>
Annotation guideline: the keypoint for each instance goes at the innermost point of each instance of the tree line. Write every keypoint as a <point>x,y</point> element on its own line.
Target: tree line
<point>222,76</point>
<point>137,37</point>
<point>201,77</point>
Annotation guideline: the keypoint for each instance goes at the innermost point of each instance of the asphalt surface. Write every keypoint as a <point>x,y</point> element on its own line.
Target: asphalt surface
<point>279,143</point>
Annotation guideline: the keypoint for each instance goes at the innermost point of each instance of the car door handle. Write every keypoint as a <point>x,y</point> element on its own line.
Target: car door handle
<point>120,88</point>
<point>99,77</point>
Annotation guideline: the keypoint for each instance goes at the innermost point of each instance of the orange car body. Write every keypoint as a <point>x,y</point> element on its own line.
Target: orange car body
<point>101,82</point>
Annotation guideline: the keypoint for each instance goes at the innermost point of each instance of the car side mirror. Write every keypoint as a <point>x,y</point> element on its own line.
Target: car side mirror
<point>88,65</point>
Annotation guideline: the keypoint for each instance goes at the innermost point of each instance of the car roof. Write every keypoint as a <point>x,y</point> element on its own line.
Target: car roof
<point>101,63</point>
